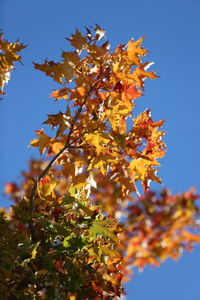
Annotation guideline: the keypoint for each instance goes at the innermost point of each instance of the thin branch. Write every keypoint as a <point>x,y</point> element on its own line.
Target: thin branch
<point>77,114</point>
<point>34,189</point>
<point>53,161</point>
<point>80,136</point>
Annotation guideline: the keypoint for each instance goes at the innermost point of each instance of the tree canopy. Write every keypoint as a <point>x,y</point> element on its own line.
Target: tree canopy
<point>84,215</point>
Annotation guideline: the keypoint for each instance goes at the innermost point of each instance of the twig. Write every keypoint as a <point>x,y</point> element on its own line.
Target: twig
<point>34,189</point>
<point>76,139</point>
<point>53,161</point>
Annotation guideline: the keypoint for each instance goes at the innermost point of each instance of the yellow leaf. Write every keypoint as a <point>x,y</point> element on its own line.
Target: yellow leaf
<point>47,185</point>
<point>34,251</point>
<point>115,67</point>
<point>117,114</point>
<point>98,164</point>
<point>139,168</point>
<point>98,140</point>
<point>8,55</point>
<point>43,142</point>
<point>60,94</point>
<point>101,162</point>
<point>190,237</point>
<point>135,50</point>
<point>57,147</point>
<point>139,75</point>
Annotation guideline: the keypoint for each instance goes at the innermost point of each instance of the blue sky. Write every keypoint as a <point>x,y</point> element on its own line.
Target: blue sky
<point>172,36</point>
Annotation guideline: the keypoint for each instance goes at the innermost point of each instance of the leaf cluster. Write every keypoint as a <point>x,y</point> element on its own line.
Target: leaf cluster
<point>78,225</point>
<point>8,56</point>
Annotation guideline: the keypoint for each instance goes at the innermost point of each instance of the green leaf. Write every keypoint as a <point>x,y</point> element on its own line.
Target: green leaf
<point>102,228</point>
<point>66,242</point>
<point>67,200</point>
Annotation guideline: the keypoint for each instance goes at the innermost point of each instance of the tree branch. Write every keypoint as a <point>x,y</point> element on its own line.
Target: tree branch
<point>53,161</point>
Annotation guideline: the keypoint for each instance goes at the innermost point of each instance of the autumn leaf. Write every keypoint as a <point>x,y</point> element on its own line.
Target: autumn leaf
<point>72,57</point>
<point>77,40</point>
<point>68,169</point>
<point>79,181</point>
<point>139,169</point>
<point>135,50</point>
<point>50,68</point>
<point>46,186</point>
<point>60,94</point>
<point>8,56</point>
<point>66,69</point>
<point>190,237</point>
<point>139,75</point>
<point>56,147</point>
<point>98,140</point>
<point>101,162</point>
<point>130,92</point>
<point>42,142</point>
<point>61,120</point>
<point>100,227</point>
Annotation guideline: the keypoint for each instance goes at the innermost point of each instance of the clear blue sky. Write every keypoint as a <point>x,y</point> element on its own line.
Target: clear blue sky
<point>172,36</point>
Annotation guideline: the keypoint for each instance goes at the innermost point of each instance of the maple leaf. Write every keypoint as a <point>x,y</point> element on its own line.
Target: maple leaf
<point>139,75</point>
<point>190,237</point>
<point>61,120</point>
<point>98,140</point>
<point>9,52</point>
<point>47,186</point>
<point>77,40</point>
<point>72,57</point>
<point>50,68</point>
<point>135,50</point>
<point>8,55</point>
<point>57,71</point>
<point>145,128</point>
<point>141,168</point>
<point>43,141</point>
<point>60,94</point>
<point>56,147</point>
<point>117,113</point>
<point>100,227</point>
<point>101,162</point>
<point>130,92</point>
<point>126,183</point>
<point>66,69</point>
